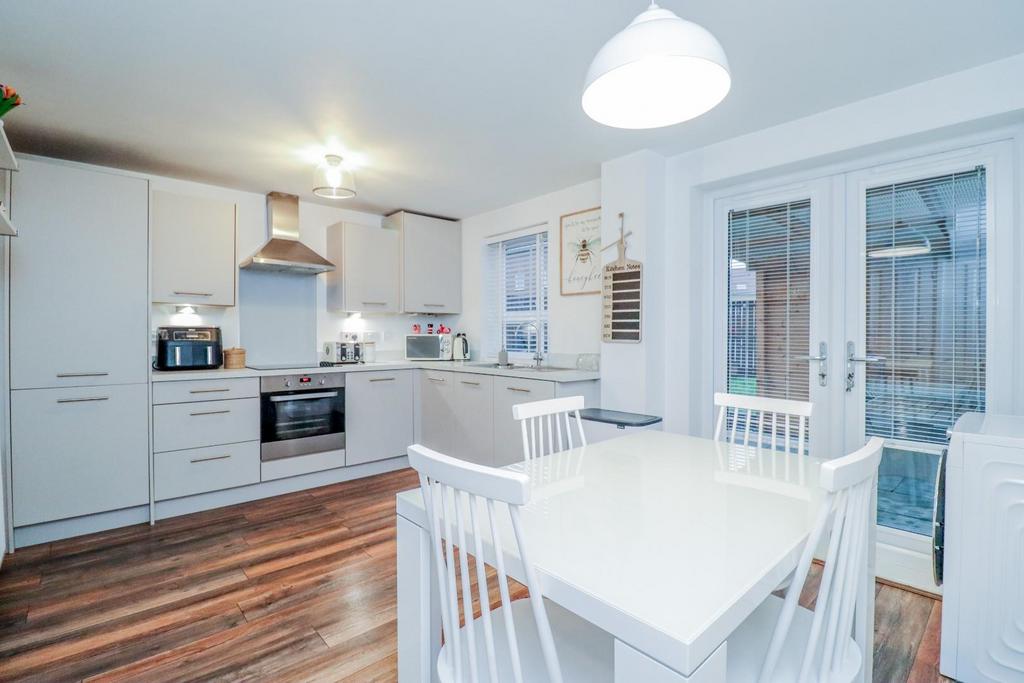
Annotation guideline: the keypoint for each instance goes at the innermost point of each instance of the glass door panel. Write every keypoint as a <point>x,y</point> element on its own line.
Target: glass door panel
<point>925,326</point>
<point>771,303</point>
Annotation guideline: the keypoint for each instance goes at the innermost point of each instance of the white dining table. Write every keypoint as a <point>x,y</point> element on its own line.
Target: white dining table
<point>667,542</point>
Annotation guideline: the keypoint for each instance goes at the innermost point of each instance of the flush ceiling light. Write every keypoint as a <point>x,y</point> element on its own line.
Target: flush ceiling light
<point>658,71</point>
<point>332,181</point>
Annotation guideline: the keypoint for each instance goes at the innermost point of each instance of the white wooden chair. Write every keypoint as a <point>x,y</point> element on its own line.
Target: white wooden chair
<point>547,426</point>
<point>521,640</point>
<point>782,641</point>
<point>762,422</point>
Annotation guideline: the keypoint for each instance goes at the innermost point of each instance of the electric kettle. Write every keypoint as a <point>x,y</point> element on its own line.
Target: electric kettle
<point>460,347</point>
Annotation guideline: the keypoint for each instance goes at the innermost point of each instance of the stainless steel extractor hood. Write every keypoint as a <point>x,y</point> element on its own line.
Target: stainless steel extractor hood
<point>283,252</point>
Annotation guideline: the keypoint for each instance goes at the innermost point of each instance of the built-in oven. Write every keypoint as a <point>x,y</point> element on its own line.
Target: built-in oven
<point>301,414</point>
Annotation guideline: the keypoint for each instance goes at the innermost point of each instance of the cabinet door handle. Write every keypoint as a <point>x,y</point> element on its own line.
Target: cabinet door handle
<point>472,384</point>
<point>212,457</point>
<point>436,379</point>
<point>82,374</point>
<point>523,391</point>
<point>176,293</point>
<point>434,305</point>
<point>382,379</point>
<point>207,391</point>
<point>375,303</point>
<point>210,412</point>
<point>84,399</point>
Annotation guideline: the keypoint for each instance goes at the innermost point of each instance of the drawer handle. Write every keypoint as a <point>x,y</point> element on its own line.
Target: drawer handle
<point>522,391</point>
<point>437,379</point>
<point>434,305</point>
<point>207,391</point>
<point>375,303</point>
<point>210,412</point>
<point>472,384</point>
<point>383,379</point>
<point>82,374</point>
<point>83,400</point>
<point>193,293</point>
<point>212,457</point>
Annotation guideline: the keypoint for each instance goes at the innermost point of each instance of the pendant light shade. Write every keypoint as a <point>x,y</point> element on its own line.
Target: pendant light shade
<point>332,181</point>
<point>658,71</point>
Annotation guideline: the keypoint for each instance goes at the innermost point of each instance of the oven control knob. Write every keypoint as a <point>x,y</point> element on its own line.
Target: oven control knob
<point>323,380</point>
<point>287,382</point>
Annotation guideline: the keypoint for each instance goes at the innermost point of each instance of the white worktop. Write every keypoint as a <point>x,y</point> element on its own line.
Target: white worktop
<point>558,375</point>
<point>668,542</point>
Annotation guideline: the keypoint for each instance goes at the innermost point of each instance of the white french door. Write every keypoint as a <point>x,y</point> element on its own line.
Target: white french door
<point>889,273</point>
<point>773,298</point>
<point>918,306</point>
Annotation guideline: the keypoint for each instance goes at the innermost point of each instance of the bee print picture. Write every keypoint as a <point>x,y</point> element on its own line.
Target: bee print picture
<point>580,269</point>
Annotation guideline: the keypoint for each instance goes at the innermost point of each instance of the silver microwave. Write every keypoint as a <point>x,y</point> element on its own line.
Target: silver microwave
<point>428,347</point>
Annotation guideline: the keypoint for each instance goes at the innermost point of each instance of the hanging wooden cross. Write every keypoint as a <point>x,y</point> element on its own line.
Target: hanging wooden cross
<point>621,290</point>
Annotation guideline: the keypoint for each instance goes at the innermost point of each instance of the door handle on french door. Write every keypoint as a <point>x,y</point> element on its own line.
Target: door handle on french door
<point>822,359</point>
<point>851,358</point>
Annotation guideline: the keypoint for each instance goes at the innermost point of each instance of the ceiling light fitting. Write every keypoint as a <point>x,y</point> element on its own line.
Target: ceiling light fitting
<point>332,181</point>
<point>658,71</point>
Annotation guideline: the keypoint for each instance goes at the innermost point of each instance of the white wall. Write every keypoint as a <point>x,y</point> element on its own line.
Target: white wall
<point>965,103</point>
<point>574,321</point>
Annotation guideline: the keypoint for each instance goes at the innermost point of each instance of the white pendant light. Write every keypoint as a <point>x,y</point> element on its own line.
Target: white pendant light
<point>658,71</point>
<point>332,181</point>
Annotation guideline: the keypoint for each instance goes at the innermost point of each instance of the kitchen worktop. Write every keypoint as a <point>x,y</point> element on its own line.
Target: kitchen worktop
<point>549,375</point>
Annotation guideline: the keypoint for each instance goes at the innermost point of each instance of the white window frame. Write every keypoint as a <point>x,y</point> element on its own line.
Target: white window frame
<point>494,298</point>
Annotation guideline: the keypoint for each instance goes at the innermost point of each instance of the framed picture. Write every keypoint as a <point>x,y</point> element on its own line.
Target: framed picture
<point>580,253</point>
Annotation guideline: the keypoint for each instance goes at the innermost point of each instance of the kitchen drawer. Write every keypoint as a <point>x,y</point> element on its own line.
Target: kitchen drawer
<point>177,426</point>
<point>78,451</point>
<point>205,390</point>
<point>508,437</point>
<point>198,470</point>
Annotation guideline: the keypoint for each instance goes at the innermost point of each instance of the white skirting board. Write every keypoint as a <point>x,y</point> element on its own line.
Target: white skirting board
<point>78,526</point>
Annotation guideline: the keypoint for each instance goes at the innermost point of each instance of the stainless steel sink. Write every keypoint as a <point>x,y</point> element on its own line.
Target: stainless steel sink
<point>517,368</point>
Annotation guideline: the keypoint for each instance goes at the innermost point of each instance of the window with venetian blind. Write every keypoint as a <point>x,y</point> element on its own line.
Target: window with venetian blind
<point>769,266</point>
<point>925,306</point>
<point>516,301</point>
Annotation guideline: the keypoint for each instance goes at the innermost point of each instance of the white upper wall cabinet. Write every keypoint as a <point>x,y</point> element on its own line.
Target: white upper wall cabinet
<point>79,304</point>
<point>367,278</point>
<point>193,250</point>
<point>431,263</point>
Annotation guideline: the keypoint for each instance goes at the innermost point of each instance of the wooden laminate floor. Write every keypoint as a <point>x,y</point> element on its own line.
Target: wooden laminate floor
<point>295,588</point>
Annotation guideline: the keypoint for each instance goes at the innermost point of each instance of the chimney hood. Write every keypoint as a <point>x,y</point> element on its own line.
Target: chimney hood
<point>283,252</point>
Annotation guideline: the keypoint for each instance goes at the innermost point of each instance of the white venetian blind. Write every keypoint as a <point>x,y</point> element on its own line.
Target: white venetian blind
<point>517,294</point>
<point>769,300</point>
<point>925,269</point>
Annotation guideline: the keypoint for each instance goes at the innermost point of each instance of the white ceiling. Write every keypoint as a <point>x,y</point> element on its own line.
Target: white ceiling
<point>450,107</point>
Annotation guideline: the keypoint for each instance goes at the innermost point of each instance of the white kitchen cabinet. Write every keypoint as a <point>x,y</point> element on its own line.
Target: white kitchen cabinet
<point>508,391</point>
<point>431,263</point>
<point>378,415</point>
<point>193,250</point>
<point>78,451</point>
<point>437,423</point>
<point>177,426</point>
<point>198,470</point>
<point>368,276</point>
<point>473,417</point>
<point>79,308</point>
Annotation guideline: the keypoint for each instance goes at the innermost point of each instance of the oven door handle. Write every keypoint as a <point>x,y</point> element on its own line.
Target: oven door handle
<point>303,397</point>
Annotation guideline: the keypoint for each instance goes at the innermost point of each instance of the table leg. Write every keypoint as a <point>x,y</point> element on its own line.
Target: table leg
<point>419,610</point>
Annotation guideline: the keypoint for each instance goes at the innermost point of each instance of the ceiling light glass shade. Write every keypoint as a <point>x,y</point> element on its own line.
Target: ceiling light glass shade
<point>332,181</point>
<point>658,71</point>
